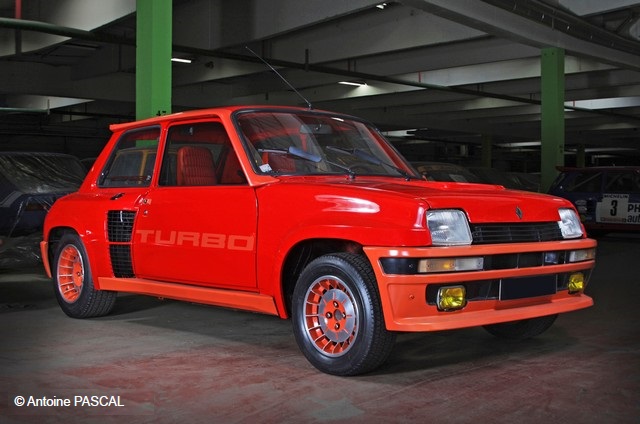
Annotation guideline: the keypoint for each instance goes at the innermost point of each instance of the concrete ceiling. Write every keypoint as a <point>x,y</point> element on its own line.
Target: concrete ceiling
<point>437,72</point>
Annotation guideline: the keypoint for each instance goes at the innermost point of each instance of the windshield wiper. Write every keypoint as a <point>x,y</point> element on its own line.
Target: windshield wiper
<point>361,154</point>
<point>351,172</point>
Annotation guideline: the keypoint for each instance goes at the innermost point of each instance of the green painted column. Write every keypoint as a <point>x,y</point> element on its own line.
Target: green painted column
<point>552,114</point>
<point>153,57</point>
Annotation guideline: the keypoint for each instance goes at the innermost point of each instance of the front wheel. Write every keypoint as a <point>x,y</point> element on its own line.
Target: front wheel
<point>337,316</point>
<point>523,329</point>
<point>73,283</point>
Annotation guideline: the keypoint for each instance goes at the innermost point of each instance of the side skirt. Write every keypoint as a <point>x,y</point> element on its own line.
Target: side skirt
<point>228,298</point>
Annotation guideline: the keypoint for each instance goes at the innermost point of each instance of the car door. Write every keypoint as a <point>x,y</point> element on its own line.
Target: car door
<point>198,224</point>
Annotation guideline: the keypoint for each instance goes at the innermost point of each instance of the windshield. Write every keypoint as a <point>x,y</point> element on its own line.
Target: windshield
<point>310,143</point>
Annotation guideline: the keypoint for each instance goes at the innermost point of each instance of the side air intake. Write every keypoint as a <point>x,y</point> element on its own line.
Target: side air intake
<point>119,233</point>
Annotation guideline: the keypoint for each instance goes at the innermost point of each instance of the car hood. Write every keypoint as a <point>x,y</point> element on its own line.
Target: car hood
<point>481,202</point>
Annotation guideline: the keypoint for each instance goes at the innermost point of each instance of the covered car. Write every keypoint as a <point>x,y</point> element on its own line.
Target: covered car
<point>30,182</point>
<point>443,171</point>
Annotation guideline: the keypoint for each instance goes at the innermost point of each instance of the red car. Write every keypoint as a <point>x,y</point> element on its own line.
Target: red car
<point>314,216</point>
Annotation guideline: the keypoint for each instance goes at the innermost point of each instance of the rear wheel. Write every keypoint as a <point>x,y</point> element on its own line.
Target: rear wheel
<point>524,329</point>
<point>73,283</point>
<point>337,316</point>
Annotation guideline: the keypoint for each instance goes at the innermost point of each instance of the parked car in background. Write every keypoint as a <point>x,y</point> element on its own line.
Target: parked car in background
<point>87,162</point>
<point>29,185</point>
<point>495,176</point>
<point>443,171</point>
<point>607,198</point>
<point>526,181</point>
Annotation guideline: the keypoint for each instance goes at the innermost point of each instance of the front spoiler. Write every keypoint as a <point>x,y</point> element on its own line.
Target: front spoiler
<point>404,302</point>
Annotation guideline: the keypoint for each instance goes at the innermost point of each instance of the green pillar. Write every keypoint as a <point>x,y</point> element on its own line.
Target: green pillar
<point>487,145</point>
<point>552,114</point>
<point>153,57</point>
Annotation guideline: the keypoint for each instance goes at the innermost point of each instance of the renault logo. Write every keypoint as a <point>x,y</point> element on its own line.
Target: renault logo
<point>519,212</point>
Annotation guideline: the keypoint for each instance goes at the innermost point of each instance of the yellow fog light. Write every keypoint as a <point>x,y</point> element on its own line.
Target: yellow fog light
<point>451,298</point>
<point>576,283</point>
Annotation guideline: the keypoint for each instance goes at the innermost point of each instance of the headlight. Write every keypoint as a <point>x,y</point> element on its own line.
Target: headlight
<point>569,223</point>
<point>448,227</point>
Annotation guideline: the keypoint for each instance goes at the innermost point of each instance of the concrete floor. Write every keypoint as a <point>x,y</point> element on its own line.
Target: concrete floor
<point>178,362</point>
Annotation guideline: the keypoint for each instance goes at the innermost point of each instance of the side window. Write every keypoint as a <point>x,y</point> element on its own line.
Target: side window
<point>586,182</point>
<point>132,161</point>
<point>200,154</point>
<point>622,182</point>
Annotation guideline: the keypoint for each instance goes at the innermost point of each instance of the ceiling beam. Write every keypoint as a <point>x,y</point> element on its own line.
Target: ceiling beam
<point>500,22</point>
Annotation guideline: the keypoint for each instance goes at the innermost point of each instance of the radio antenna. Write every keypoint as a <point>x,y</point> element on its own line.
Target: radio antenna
<point>281,77</point>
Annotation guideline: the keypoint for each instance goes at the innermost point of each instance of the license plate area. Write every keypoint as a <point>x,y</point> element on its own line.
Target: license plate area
<point>525,287</point>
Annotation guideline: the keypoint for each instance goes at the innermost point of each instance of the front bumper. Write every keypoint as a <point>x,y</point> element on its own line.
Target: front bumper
<point>405,300</point>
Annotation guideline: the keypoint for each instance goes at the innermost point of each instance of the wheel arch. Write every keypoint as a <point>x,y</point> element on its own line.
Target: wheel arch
<point>53,239</point>
<point>304,252</point>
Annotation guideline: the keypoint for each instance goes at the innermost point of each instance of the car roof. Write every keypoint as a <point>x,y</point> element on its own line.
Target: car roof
<point>216,111</point>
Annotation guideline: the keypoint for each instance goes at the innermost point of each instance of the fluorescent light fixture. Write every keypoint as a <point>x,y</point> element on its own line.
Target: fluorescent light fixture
<point>608,103</point>
<point>608,149</point>
<point>521,144</point>
<point>355,83</point>
<point>399,133</point>
<point>180,60</point>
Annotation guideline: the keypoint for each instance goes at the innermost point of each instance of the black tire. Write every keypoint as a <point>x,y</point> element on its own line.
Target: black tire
<point>337,316</point>
<point>73,282</point>
<point>524,329</point>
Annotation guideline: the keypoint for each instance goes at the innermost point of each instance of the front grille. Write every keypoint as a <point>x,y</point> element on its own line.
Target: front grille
<point>121,260</point>
<point>515,233</point>
<point>120,226</point>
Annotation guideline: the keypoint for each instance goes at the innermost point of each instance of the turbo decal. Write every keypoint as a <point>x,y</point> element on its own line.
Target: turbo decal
<point>196,239</point>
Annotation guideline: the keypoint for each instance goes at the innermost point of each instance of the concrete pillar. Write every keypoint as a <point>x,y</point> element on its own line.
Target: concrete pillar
<point>552,114</point>
<point>153,57</point>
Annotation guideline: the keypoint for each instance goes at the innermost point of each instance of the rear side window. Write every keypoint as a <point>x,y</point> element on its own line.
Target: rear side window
<point>132,161</point>
<point>622,182</point>
<point>589,182</point>
<point>607,181</point>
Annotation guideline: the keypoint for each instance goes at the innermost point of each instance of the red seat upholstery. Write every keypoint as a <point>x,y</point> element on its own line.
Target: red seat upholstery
<point>279,162</point>
<point>231,171</point>
<point>195,166</point>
